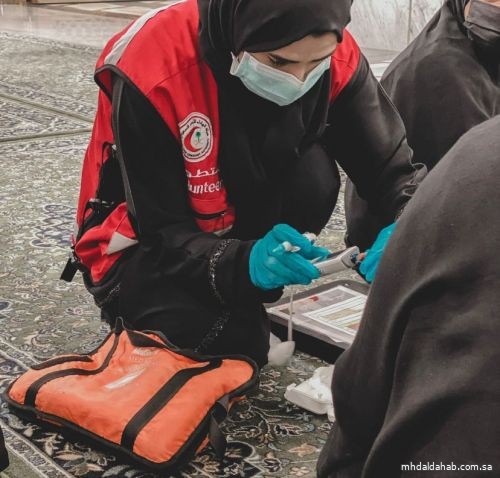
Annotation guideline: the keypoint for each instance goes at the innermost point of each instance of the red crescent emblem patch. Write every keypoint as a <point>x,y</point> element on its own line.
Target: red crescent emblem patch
<point>197,137</point>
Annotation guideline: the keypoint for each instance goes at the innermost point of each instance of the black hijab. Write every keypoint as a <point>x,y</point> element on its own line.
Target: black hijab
<point>261,142</point>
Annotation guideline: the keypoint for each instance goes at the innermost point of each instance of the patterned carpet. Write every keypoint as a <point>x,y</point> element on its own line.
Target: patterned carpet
<point>47,98</point>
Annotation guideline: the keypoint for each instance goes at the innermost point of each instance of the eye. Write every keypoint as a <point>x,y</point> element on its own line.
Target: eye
<point>277,61</point>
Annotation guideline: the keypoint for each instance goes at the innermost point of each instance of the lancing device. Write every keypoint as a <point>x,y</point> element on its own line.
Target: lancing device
<point>334,262</point>
<point>337,261</point>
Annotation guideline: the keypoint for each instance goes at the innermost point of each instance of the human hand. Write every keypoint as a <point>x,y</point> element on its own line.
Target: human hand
<point>273,266</point>
<point>371,258</point>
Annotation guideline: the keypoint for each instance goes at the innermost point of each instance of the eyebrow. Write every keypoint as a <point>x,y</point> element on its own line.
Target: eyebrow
<point>286,60</point>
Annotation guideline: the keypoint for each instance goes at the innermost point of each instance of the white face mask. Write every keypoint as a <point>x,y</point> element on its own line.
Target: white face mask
<point>272,84</point>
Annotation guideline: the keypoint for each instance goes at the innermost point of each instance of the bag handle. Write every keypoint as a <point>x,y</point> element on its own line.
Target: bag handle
<point>160,400</point>
<point>138,339</point>
<point>215,435</point>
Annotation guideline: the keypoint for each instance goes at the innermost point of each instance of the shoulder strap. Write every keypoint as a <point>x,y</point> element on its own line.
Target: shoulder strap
<point>118,85</point>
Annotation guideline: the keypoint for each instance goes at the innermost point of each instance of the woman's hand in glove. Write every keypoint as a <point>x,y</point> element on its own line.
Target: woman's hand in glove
<point>371,258</point>
<point>273,266</point>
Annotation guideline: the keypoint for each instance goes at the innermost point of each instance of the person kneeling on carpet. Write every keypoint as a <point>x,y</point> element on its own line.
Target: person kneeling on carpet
<point>212,147</point>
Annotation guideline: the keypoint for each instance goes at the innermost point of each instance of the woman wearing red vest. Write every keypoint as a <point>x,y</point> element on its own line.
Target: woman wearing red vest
<point>218,130</point>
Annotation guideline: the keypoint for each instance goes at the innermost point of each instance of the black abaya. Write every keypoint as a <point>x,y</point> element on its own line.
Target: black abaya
<point>442,84</point>
<point>421,382</point>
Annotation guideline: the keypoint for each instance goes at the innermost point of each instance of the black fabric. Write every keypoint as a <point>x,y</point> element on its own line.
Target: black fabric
<point>4,456</point>
<point>443,85</point>
<point>157,179</point>
<point>60,360</point>
<point>215,434</point>
<point>421,381</point>
<point>261,142</point>
<point>457,7</point>
<point>483,27</point>
<point>152,298</point>
<point>69,271</point>
<point>239,25</point>
<point>368,139</point>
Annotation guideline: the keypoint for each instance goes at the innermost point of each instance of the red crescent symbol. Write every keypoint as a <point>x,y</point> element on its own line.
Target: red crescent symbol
<point>188,145</point>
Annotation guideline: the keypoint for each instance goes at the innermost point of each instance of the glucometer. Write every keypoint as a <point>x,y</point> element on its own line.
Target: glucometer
<point>334,262</point>
<point>338,261</point>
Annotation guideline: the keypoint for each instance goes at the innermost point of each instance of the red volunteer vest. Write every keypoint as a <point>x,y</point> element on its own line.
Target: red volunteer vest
<point>159,54</point>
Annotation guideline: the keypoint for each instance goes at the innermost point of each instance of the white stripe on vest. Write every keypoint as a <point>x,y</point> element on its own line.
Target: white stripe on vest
<point>119,47</point>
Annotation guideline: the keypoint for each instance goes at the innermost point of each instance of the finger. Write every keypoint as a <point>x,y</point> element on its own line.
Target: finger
<point>284,232</point>
<point>285,246</point>
<point>286,274</point>
<point>293,275</point>
<point>266,278</point>
<point>271,280</point>
<point>299,264</point>
<point>279,250</point>
<point>383,237</point>
<point>314,252</point>
<point>369,263</point>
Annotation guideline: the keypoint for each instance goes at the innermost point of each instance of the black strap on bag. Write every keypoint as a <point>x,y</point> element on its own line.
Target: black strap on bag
<point>72,266</point>
<point>215,435</point>
<point>4,456</point>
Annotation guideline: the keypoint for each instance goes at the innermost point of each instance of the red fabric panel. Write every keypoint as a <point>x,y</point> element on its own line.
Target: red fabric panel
<point>92,246</point>
<point>345,61</point>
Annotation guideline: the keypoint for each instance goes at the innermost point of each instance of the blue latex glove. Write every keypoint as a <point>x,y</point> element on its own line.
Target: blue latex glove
<point>373,255</point>
<point>272,266</point>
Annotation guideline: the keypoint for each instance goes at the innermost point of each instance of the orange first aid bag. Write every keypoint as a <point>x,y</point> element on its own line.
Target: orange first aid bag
<point>138,394</point>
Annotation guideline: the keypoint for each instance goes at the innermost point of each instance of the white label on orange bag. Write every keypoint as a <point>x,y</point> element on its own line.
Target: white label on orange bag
<point>144,352</point>
<point>121,382</point>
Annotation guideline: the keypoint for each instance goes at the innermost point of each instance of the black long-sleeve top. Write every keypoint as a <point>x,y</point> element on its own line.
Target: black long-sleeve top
<point>365,136</point>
